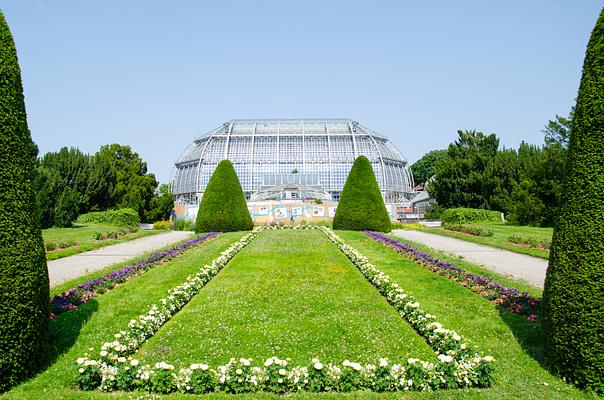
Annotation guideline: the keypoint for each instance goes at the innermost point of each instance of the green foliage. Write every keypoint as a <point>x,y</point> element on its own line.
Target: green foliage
<point>24,287</point>
<point>51,246</point>
<point>223,207</point>
<point>470,229</point>
<point>361,205</point>
<point>434,212</point>
<point>66,209</point>
<point>424,168</point>
<point>469,215</point>
<point>134,186</point>
<point>162,225</point>
<point>161,204</point>
<point>459,178</point>
<point>121,217</point>
<point>573,304</point>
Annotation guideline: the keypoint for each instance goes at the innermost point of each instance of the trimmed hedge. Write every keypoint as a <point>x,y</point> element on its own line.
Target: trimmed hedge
<point>463,215</point>
<point>472,230</point>
<point>24,287</point>
<point>121,217</point>
<point>573,297</point>
<point>223,207</point>
<point>361,205</point>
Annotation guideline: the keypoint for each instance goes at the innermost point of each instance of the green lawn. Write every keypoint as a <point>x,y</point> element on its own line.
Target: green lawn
<point>294,294</point>
<point>501,233</point>
<point>84,235</point>
<point>288,294</point>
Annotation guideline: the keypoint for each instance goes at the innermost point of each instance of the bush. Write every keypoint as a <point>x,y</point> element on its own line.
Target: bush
<point>223,207</point>
<point>400,225</point>
<point>434,212</point>
<point>162,225</point>
<point>573,304</point>
<point>121,217</point>
<point>178,224</point>
<point>469,215</point>
<point>472,230</point>
<point>361,205</point>
<point>24,287</point>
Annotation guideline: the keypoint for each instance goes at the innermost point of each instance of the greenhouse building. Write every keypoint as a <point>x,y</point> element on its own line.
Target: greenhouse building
<point>297,159</point>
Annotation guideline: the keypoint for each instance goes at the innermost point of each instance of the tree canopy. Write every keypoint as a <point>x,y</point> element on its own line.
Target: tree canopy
<point>424,168</point>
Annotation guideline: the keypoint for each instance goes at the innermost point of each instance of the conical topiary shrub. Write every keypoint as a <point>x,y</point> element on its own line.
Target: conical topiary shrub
<point>24,290</point>
<point>223,207</point>
<point>573,299</point>
<point>361,205</point>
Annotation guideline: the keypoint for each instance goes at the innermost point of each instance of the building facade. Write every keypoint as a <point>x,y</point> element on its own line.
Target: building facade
<point>299,158</point>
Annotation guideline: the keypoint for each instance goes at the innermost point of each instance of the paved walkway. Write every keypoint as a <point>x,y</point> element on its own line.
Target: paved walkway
<point>67,268</point>
<point>504,262</point>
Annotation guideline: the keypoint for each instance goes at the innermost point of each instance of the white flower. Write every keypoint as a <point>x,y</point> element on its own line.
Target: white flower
<point>103,353</point>
<point>383,362</point>
<point>245,362</point>
<point>412,360</point>
<point>239,371</point>
<point>444,358</point>
<point>488,358</point>
<point>280,380</point>
<point>204,367</point>
<point>134,362</point>
<point>282,372</point>
<point>121,359</point>
<point>268,362</point>
<point>81,360</point>
<point>81,370</point>
<point>318,366</point>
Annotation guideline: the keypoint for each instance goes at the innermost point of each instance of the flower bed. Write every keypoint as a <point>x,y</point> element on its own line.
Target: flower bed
<point>458,364</point>
<point>510,298</point>
<point>55,246</point>
<point>468,229</point>
<point>72,298</point>
<point>531,242</point>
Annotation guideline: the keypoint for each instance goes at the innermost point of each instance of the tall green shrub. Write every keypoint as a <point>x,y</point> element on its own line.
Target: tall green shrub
<point>461,215</point>
<point>361,205</point>
<point>573,299</point>
<point>223,207</point>
<point>122,217</point>
<point>24,287</point>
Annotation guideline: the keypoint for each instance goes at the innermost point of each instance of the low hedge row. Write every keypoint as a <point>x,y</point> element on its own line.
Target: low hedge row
<point>462,215</point>
<point>472,230</point>
<point>50,246</point>
<point>121,217</point>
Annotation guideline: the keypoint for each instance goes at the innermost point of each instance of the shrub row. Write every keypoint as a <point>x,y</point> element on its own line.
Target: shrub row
<point>510,298</point>
<point>468,215</point>
<point>472,230</point>
<point>63,244</point>
<point>114,234</point>
<point>531,242</point>
<point>121,217</point>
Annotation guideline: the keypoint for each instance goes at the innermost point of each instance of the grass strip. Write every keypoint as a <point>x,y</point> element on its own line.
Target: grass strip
<point>74,297</point>
<point>459,367</point>
<point>514,300</point>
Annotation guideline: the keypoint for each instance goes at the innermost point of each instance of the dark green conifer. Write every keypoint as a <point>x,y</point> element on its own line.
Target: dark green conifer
<point>361,206</point>
<point>24,288</point>
<point>223,207</point>
<point>573,299</point>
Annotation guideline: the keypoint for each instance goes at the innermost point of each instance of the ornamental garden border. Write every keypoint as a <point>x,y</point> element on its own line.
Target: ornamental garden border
<point>459,364</point>
<point>509,298</point>
<point>74,297</point>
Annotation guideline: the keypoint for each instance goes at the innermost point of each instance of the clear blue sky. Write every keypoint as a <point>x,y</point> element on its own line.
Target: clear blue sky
<point>155,75</point>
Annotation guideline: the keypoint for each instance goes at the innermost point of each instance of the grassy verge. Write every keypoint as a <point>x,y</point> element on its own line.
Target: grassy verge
<point>501,233</point>
<point>288,294</point>
<point>73,333</point>
<point>84,236</point>
<point>515,342</point>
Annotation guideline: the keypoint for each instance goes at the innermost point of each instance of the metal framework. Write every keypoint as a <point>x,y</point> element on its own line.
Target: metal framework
<point>322,147</point>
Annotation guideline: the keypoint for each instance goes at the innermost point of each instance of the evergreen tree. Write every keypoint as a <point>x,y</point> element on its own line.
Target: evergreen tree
<point>361,206</point>
<point>223,207</point>
<point>24,287</point>
<point>424,168</point>
<point>573,300</point>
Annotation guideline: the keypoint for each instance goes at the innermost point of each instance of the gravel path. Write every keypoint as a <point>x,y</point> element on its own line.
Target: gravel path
<point>504,262</point>
<point>67,268</point>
